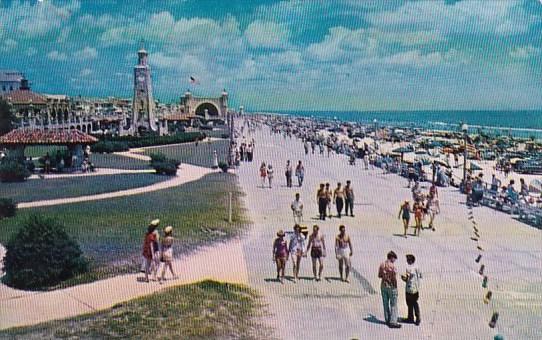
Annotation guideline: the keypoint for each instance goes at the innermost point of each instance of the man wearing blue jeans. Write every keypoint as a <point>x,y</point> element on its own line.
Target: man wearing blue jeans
<point>388,288</point>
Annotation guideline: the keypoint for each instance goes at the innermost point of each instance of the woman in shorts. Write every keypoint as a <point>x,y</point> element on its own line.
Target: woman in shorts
<point>167,253</point>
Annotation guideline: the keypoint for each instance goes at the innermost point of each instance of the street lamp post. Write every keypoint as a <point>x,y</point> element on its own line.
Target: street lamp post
<point>230,151</point>
<point>465,129</point>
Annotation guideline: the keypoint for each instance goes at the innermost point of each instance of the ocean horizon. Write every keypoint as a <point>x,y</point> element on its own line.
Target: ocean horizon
<point>520,123</point>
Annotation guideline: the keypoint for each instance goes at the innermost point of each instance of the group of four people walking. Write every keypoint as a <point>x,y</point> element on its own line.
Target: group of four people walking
<point>342,197</point>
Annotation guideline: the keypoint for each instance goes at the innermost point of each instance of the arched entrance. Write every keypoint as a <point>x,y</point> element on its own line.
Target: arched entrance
<point>212,110</point>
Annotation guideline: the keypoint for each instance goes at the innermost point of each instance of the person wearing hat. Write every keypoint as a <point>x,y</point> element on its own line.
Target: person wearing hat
<point>404,214</point>
<point>296,249</point>
<point>280,254</point>
<point>412,278</point>
<point>150,249</point>
<point>317,247</point>
<point>167,253</point>
<point>388,288</point>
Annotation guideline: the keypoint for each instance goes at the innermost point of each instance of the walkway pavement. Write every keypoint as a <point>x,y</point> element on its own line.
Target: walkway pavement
<point>21,308</point>
<point>98,172</point>
<point>187,173</point>
<point>451,294</point>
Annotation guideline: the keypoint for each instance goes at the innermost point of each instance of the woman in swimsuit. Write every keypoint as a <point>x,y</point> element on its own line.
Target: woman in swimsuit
<point>280,255</point>
<point>404,214</point>
<point>317,248</point>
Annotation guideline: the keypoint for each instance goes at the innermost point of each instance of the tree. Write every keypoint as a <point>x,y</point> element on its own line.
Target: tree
<point>7,118</point>
<point>41,254</point>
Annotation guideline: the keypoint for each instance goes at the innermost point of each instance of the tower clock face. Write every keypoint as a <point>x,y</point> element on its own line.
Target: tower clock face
<point>141,78</point>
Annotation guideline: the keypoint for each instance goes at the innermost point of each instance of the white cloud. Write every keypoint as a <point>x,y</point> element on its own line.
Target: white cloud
<point>525,52</point>
<point>163,28</point>
<point>57,56</point>
<point>31,51</point>
<point>473,17</point>
<point>38,19</point>
<point>86,72</point>
<point>64,35</point>
<point>103,21</point>
<point>341,43</point>
<point>8,45</point>
<point>415,58</point>
<point>267,34</point>
<point>86,53</point>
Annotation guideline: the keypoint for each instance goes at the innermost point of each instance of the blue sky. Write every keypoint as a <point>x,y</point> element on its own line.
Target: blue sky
<point>286,55</point>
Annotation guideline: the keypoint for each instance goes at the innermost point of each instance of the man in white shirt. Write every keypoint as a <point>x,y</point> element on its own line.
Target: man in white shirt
<point>297,209</point>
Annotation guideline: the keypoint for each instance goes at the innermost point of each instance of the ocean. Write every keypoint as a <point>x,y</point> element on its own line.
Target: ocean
<point>522,124</point>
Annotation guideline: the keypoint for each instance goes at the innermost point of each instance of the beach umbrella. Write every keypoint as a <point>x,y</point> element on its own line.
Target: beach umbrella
<point>535,186</point>
<point>402,149</point>
<point>475,167</point>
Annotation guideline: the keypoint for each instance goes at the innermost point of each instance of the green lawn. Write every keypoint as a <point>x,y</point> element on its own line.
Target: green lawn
<point>37,189</point>
<point>118,162</point>
<point>201,155</point>
<point>110,232</point>
<point>204,310</point>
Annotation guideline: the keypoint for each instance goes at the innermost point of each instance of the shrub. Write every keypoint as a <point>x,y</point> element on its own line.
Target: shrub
<point>41,255</point>
<point>157,157</point>
<point>223,166</point>
<point>7,208</point>
<point>165,168</point>
<point>110,146</point>
<point>164,165</point>
<point>13,171</point>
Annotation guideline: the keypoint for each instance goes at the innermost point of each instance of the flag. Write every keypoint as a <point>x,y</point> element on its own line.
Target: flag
<point>194,80</point>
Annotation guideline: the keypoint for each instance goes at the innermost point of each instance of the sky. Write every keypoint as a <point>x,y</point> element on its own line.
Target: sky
<point>286,55</point>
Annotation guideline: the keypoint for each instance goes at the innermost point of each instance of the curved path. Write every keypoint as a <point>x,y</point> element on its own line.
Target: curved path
<point>23,308</point>
<point>187,173</point>
<point>98,172</point>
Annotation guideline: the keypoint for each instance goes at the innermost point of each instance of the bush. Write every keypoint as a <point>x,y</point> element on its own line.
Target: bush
<point>164,165</point>
<point>13,171</point>
<point>165,168</point>
<point>110,146</point>
<point>7,208</point>
<point>223,166</point>
<point>123,143</point>
<point>41,255</point>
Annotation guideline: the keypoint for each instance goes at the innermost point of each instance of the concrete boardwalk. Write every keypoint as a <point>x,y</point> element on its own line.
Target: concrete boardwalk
<point>451,296</point>
<point>22,308</point>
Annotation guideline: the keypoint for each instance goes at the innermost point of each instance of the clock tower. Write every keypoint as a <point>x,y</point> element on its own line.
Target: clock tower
<point>143,104</point>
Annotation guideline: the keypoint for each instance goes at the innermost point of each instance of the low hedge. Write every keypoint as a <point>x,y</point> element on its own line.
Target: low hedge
<point>164,165</point>
<point>13,171</point>
<point>8,208</point>
<point>123,143</point>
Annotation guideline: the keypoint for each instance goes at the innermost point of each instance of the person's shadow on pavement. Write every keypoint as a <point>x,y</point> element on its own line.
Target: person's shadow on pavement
<point>373,319</point>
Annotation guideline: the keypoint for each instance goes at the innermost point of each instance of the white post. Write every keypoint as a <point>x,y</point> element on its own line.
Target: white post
<point>230,209</point>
